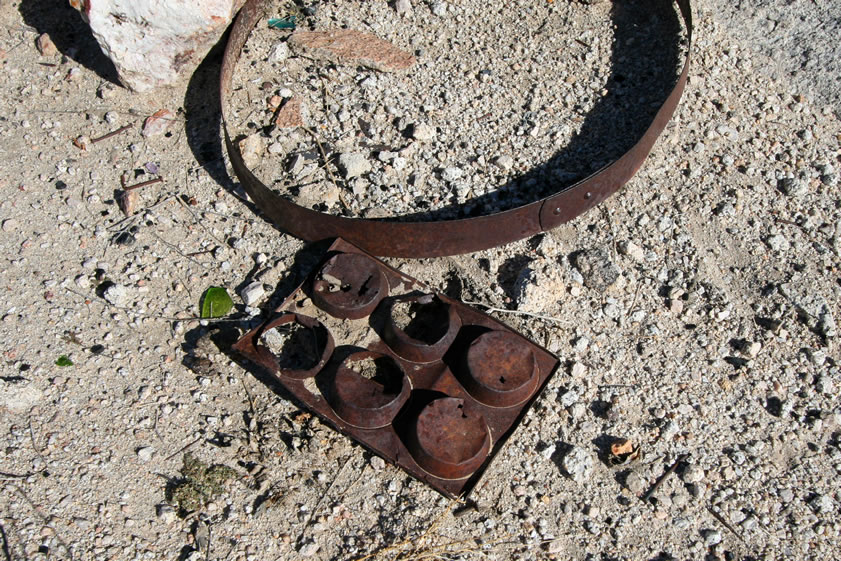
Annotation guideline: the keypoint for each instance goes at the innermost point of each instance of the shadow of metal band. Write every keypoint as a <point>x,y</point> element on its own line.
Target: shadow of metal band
<point>446,237</point>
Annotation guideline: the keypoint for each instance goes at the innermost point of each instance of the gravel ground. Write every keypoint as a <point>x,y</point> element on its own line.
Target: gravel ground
<point>693,313</point>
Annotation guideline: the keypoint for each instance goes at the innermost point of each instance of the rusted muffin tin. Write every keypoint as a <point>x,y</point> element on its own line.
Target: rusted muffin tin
<point>369,403</point>
<point>425,381</point>
<point>349,286</point>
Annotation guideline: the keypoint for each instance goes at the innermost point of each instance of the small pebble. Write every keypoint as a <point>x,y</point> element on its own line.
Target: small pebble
<point>354,164</point>
<point>403,7</point>
<point>45,45</point>
<point>422,132</point>
<point>451,174</point>
<point>578,369</point>
<point>165,513</point>
<point>280,52</point>
<point>693,473</point>
<point>117,295</point>
<point>158,123</point>
<point>308,549</point>
<point>596,268</point>
<point>504,162</point>
<point>712,537</point>
<point>778,242</point>
<point>252,293</point>
<point>632,250</point>
<point>578,464</point>
<point>145,453</point>
<point>635,483</point>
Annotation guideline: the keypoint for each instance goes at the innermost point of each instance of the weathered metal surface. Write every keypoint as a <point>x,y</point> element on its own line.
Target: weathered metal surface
<point>411,413</point>
<point>449,439</point>
<point>349,286</point>
<point>321,336</point>
<point>501,371</point>
<point>449,237</point>
<point>417,350</point>
<point>369,403</point>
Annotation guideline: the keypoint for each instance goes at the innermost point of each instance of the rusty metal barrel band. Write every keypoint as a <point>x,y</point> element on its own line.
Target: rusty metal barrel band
<point>447,237</point>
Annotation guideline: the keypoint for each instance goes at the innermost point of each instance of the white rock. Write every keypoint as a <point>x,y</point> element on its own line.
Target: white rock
<point>403,6</point>
<point>165,513</point>
<point>580,344</point>
<point>578,463</point>
<point>252,293</point>
<point>505,162</point>
<point>399,163</point>
<point>116,295</point>
<point>451,174</point>
<point>632,250</point>
<point>252,148</point>
<point>354,164</point>
<point>280,52</point>
<point>439,8</point>
<point>693,473</point>
<point>145,454</point>
<point>578,369</point>
<point>712,537</point>
<point>752,349</point>
<point>778,243</point>
<point>153,43</point>
<point>423,132</point>
<point>537,291</point>
<point>19,397</point>
<point>308,549</point>
<point>822,504</point>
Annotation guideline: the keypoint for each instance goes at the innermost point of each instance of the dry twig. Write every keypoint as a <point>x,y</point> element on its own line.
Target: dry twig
<point>110,134</point>
<point>517,312</point>
<point>680,459</point>
<point>726,524</point>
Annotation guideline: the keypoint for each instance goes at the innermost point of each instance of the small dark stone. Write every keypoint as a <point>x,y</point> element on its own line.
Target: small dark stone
<point>596,268</point>
<point>124,238</point>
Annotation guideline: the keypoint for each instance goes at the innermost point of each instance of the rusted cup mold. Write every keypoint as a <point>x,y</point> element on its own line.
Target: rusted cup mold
<point>322,339</point>
<point>369,400</point>
<point>448,439</point>
<point>349,286</point>
<point>500,369</point>
<point>421,349</point>
<point>447,417</point>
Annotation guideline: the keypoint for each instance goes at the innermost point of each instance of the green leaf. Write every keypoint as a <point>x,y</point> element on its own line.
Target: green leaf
<point>215,302</point>
<point>63,361</point>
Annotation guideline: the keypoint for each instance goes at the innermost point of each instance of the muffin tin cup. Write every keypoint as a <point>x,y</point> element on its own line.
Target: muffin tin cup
<point>412,349</point>
<point>500,370</point>
<point>363,402</point>
<point>349,286</point>
<point>327,345</point>
<point>448,439</point>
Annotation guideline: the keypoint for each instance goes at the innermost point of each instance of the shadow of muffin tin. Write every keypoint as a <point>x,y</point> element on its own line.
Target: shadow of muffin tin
<point>423,380</point>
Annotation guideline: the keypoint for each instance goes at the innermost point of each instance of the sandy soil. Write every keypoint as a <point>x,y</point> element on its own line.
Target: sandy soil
<point>693,313</point>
